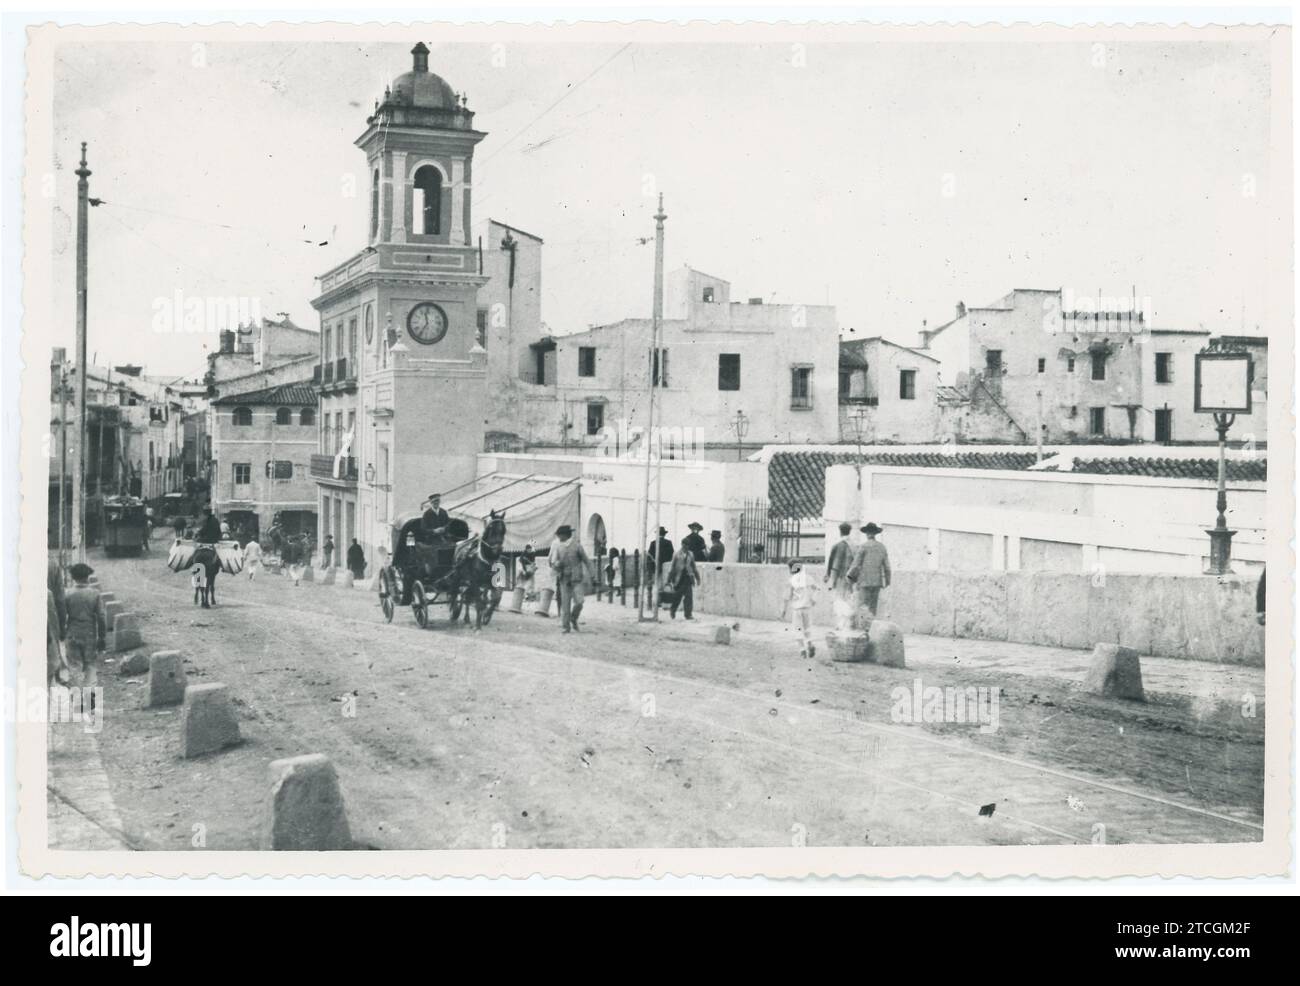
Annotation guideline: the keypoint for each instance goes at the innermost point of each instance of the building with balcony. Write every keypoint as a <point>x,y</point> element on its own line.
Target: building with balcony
<point>262,462</point>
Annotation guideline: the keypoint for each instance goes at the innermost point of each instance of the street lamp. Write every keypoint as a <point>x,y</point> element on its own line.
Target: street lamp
<point>370,474</point>
<point>858,422</point>
<point>1223,381</point>
<point>740,425</point>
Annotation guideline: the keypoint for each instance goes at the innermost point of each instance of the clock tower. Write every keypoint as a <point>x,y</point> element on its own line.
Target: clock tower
<point>403,382</point>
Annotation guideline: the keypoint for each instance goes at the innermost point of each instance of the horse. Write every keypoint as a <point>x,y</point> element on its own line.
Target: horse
<point>471,576</point>
<point>203,563</point>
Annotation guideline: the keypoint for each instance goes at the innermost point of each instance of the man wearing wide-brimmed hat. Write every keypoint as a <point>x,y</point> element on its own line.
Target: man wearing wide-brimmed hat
<point>870,568</point>
<point>87,626</point>
<point>660,554</point>
<point>571,566</point>
<point>694,543</point>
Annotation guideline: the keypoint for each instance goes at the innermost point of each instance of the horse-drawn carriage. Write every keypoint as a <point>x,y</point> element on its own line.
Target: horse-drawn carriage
<point>452,569</point>
<point>126,528</point>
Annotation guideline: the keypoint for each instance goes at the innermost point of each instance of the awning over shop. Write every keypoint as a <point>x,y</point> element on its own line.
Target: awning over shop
<point>534,506</point>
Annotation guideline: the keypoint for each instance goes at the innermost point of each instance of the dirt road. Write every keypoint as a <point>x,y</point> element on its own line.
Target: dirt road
<point>517,736</point>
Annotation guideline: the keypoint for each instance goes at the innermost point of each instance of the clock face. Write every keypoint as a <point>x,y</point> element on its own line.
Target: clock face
<point>370,324</point>
<point>427,323</point>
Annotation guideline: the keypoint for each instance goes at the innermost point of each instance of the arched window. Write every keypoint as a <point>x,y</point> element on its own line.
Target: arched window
<point>374,205</point>
<point>307,417</point>
<point>426,200</point>
<point>243,416</point>
<point>283,416</point>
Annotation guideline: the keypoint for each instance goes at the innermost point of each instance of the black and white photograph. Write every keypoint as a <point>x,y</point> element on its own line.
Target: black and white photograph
<point>615,449</point>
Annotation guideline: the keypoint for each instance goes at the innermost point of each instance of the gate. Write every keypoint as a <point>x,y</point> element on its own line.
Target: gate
<point>765,536</point>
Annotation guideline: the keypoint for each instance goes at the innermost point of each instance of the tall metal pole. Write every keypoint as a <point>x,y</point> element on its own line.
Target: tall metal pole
<point>647,443</point>
<point>63,462</point>
<point>657,331</point>
<point>79,463</point>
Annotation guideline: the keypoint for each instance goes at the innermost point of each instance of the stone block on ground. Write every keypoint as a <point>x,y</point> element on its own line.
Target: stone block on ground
<point>166,678</point>
<point>1115,672</point>
<point>111,609</point>
<point>722,635</point>
<point>137,663</point>
<point>304,807</point>
<point>849,646</point>
<point>886,640</point>
<point>208,720</point>
<point>125,633</point>
<point>108,597</point>
<point>327,576</point>
<point>308,574</point>
<point>345,579</point>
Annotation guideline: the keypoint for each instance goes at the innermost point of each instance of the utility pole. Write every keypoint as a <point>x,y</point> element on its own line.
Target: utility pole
<point>63,460</point>
<point>79,463</point>
<point>652,537</point>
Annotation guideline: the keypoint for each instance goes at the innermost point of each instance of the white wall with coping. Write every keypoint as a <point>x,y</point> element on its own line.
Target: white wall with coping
<point>985,520</point>
<point>1190,617</point>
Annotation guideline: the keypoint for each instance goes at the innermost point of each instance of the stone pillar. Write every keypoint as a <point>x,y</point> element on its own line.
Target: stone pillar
<point>1115,672</point>
<point>457,201</point>
<point>304,807</point>
<point>166,678</point>
<point>208,720</point>
<point>396,186</point>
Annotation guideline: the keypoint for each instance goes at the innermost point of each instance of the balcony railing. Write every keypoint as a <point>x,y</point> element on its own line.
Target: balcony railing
<point>327,374</point>
<point>315,374</point>
<point>341,369</point>
<point>322,467</point>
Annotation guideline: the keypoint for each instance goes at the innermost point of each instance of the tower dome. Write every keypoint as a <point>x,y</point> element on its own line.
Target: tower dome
<point>419,98</point>
<point>420,87</point>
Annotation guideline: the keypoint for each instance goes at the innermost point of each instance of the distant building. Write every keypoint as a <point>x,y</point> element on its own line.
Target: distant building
<point>262,426</point>
<point>777,365</point>
<point>263,443</point>
<point>1023,362</point>
<point>888,393</point>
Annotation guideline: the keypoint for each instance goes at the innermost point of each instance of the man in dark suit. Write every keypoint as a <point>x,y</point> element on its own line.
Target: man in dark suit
<point>694,543</point>
<point>435,519</point>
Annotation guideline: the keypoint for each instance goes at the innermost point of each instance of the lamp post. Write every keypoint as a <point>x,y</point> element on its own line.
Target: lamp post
<point>858,422</point>
<point>370,474</point>
<point>740,425</point>
<point>1223,381</point>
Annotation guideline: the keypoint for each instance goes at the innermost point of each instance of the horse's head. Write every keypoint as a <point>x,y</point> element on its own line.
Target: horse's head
<point>495,531</point>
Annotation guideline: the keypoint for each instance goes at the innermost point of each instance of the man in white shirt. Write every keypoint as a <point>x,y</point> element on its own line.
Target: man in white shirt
<point>798,605</point>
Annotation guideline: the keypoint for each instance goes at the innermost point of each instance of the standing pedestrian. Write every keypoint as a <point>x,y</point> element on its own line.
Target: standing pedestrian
<point>569,562</point>
<point>327,551</point>
<point>528,572</point>
<point>717,550</point>
<point>870,568</point>
<point>252,558</point>
<point>837,568</point>
<point>694,543</point>
<point>356,560</point>
<point>87,628</point>
<point>660,554</point>
<point>683,577</point>
<point>611,569</point>
<point>798,606</point>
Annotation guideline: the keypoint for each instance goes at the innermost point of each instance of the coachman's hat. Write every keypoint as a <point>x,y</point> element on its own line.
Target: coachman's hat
<point>564,530</point>
<point>695,526</point>
<point>870,528</point>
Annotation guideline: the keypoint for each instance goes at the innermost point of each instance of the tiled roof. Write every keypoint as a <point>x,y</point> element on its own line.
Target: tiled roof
<point>297,394</point>
<point>796,481</point>
<point>1248,470</point>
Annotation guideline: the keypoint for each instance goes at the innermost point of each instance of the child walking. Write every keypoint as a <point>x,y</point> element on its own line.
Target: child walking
<point>798,605</point>
<point>87,628</point>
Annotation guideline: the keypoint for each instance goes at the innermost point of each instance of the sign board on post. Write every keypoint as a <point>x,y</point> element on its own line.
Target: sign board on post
<point>1223,382</point>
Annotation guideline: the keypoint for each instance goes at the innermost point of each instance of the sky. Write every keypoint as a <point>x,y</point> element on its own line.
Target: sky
<point>891,180</point>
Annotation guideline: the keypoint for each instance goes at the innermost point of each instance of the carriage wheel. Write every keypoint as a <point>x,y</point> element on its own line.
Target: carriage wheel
<point>454,605</point>
<point>386,592</point>
<point>419,604</point>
